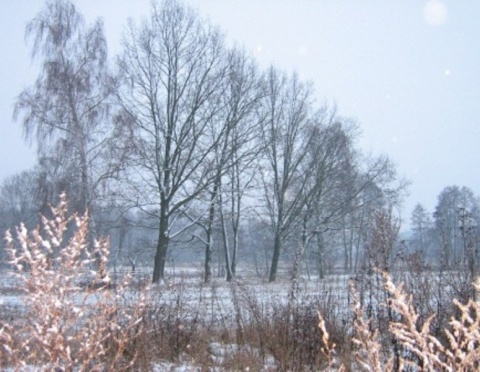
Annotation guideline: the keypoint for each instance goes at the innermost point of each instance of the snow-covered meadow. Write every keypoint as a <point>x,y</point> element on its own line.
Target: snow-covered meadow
<point>217,301</point>
<point>248,323</point>
<point>191,308</point>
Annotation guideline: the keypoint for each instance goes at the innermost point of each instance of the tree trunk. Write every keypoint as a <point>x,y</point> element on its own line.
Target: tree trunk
<point>233,265</point>
<point>236,196</point>
<point>162,245</point>
<point>208,256</point>
<point>209,245</point>
<point>276,257</point>
<point>226,246</point>
<point>321,256</point>
<point>300,253</point>
<point>228,262</point>
<point>347,248</point>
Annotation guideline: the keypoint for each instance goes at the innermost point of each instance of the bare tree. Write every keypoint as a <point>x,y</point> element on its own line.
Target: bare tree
<point>240,129</point>
<point>335,179</point>
<point>19,201</point>
<point>286,114</point>
<point>66,111</point>
<point>376,186</point>
<point>173,72</point>
<point>313,176</point>
<point>422,227</point>
<point>453,207</point>
<point>329,172</point>
<point>382,240</point>
<point>241,102</point>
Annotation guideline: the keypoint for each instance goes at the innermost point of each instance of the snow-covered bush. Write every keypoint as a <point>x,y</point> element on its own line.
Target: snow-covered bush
<point>75,317</point>
<point>412,347</point>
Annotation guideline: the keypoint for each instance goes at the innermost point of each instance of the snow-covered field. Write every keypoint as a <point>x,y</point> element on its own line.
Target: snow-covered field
<point>220,305</point>
<point>187,283</point>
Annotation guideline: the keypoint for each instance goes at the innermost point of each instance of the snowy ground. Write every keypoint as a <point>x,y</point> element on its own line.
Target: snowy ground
<point>187,282</point>
<point>218,302</point>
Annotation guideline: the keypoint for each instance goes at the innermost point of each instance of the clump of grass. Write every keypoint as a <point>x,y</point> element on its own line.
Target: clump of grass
<point>68,325</point>
<point>284,329</point>
<point>177,325</point>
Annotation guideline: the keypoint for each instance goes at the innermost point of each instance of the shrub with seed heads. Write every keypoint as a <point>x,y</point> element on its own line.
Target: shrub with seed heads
<point>75,317</point>
<point>420,349</point>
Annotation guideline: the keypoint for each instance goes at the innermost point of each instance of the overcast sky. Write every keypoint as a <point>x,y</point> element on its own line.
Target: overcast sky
<point>407,71</point>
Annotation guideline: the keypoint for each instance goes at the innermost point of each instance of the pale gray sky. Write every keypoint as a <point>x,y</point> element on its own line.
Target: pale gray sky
<point>407,70</point>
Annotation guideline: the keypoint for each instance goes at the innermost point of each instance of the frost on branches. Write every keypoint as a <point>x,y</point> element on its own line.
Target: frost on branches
<point>74,317</point>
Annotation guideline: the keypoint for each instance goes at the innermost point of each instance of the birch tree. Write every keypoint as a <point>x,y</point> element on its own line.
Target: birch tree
<point>66,111</point>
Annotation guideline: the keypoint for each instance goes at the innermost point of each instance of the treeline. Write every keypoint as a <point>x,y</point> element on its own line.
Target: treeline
<point>180,141</point>
<point>450,236</point>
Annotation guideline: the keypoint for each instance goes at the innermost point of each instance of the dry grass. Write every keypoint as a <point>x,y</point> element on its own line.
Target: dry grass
<point>417,348</point>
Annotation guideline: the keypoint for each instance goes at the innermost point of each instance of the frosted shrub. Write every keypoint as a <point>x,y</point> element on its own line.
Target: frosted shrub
<point>420,350</point>
<point>74,317</point>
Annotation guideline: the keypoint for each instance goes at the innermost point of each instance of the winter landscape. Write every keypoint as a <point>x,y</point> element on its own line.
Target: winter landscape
<point>192,210</point>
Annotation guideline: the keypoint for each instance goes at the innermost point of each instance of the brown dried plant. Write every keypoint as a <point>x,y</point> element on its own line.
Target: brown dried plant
<point>464,337</point>
<point>414,337</point>
<point>421,350</point>
<point>462,353</point>
<point>75,317</point>
<point>368,349</point>
<point>328,348</point>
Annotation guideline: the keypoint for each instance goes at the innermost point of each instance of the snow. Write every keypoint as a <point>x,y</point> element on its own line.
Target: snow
<point>217,302</point>
<point>218,293</point>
